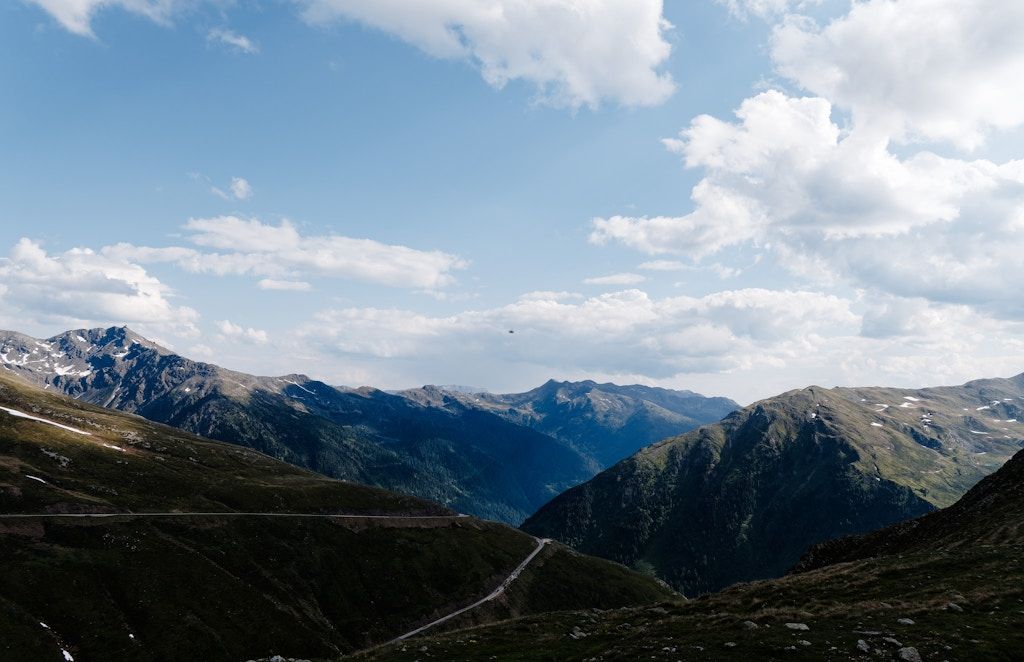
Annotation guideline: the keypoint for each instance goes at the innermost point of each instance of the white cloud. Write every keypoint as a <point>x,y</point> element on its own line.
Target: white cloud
<point>576,53</point>
<point>284,285</point>
<point>76,15</point>
<point>240,188</point>
<point>281,252</point>
<point>233,331</point>
<point>746,343</point>
<point>662,265</point>
<point>615,279</point>
<point>765,8</point>
<point>914,69</point>
<point>841,205</point>
<point>233,40</point>
<point>81,287</point>
<point>624,332</point>
<point>550,295</point>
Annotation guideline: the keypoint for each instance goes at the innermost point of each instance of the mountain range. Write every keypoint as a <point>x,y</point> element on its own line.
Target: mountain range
<point>123,539</point>
<point>744,498</point>
<point>498,457</point>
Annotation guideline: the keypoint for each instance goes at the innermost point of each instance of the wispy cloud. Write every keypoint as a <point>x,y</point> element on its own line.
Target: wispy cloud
<point>615,279</point>
<point>236,42</point>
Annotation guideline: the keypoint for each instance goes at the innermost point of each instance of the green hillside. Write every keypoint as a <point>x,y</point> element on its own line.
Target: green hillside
<point>271,568</point>
<point>745,498</point>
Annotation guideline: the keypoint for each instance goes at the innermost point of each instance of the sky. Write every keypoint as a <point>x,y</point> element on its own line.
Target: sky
<point>737,197</point>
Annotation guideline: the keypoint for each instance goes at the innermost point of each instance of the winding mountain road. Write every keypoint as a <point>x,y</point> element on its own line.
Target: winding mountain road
<point>541,542</point>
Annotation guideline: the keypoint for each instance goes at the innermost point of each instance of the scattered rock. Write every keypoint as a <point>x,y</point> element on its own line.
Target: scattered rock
<point>730,644</point>
<point>797,626</point>
<point>905,621</point>
<point>908,654</point>
<point>276,658</point>
<point>658,610</point>
<point>952,606</point>
<point>862,646</point>
<point>577,633</point>
<point>750,625</point>
<point>890,640</point>
<point>803,642</point>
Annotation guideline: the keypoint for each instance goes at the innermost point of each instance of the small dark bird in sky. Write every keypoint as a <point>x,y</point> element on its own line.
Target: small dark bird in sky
<point>511,330</point>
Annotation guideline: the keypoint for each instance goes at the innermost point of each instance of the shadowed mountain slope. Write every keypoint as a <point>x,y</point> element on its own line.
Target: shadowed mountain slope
<point>603,422</point>
<point>745,498</point>
<point>468,459</point>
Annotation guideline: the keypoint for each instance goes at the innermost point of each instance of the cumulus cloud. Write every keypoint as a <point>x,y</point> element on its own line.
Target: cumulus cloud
<point>625,332</point>
<point>615,279</point>
<point>237,42</point>
<point>81,287</point>
<point>575,53</point>
<point>233,331</point>
<point>247,246</point>
<point>914,69</point>
<point>842,206</point>
<point>747,343</point>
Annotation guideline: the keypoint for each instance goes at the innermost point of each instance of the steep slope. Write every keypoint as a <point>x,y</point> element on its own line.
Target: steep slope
<point>743,499</point>
<point>946,586</point>
<point>469,459</point>
<point>211,551</point>
<point>603,422</point>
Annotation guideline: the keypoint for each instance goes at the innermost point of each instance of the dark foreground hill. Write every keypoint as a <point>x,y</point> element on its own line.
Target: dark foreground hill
<point>214,552</point>
<point>946,586</point>
<point>745,498</point>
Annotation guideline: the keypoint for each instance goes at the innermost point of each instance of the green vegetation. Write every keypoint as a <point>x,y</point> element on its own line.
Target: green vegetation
<point>236,587</point>
<point>744,499</point>
<point>949,585</point>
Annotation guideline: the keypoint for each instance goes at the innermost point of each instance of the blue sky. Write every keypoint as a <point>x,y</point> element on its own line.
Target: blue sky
<point>173,165</point>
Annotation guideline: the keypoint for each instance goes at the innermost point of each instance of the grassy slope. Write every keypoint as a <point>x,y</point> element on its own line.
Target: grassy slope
<point>229,587</point>
<point>970,555</point>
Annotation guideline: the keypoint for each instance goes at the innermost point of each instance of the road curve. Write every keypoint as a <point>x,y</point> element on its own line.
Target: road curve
<point>541,542</point>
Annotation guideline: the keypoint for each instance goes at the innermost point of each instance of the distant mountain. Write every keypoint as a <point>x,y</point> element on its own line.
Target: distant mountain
<point>745,498</point>
<point>469,459</point>
<point>215,552</point>
<point>603,422</point>
<point>945,586</point>
<point>499,457</point>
